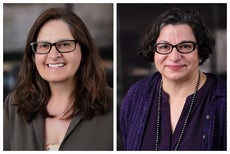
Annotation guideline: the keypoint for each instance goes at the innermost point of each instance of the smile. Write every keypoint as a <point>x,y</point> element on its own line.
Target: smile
<point>175,67</point>
<point>58,65</point>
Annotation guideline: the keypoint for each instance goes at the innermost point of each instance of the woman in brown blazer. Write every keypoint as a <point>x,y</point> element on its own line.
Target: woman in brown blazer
<point>61,100</point>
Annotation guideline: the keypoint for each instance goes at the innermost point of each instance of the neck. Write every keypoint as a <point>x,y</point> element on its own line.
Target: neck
<point>61,98</point>
<point>60,89</point>
<point>183,87</point>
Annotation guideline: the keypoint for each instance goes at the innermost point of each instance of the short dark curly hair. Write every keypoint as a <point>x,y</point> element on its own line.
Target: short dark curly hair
<point>175,17</point>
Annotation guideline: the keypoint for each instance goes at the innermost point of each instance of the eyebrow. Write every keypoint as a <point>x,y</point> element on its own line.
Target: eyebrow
<point>184,41</point>
<point>64,39</point>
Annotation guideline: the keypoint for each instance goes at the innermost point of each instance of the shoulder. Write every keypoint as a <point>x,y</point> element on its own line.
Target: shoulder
<point>220,85</point>
<point>11,113</point>
<point>218,111</point>
<point>144,86</point>
<point>13,122</point>
<point>8,107</point>
<point>139,96</point>
<point>219,95</point>
<point>148,80</point>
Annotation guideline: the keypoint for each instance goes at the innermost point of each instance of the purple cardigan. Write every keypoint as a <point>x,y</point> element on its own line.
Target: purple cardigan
<point>136,107</point>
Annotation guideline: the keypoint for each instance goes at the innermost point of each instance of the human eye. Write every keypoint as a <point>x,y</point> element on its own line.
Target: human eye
<point>43,45</point>
<point>163,47</point>
<point>65,44</point>
<point>186,46</point>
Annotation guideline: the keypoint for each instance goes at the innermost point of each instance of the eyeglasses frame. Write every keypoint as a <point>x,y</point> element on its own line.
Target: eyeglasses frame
<point>175,46</point>
<point>53,44</point>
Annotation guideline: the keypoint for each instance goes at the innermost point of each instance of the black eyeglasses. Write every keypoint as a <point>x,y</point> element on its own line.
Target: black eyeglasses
<point>183,47</point>
<point>61,46</point>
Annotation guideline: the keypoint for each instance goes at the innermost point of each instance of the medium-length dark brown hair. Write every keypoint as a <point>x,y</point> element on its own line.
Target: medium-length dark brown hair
<point>179,16</point>
<point>32,92</point>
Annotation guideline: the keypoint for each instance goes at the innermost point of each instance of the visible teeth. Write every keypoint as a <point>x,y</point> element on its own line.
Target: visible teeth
<point>55,65</point>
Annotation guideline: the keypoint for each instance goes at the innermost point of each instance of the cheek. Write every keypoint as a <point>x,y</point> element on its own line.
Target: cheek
<point>158,59</point>
<point>193,58</point>
<point>75,59</point>
<point>37,58</point>
<point>38,61</point>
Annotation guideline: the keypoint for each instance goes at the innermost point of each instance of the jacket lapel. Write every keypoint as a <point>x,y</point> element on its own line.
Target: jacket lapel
<point>38,124</point>
<point>75,120</point>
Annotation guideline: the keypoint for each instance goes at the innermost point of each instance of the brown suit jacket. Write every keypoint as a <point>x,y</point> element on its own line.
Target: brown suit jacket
<point>94,134</point>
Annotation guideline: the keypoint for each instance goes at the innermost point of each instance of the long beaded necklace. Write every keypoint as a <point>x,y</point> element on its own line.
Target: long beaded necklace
<point>186,119</point>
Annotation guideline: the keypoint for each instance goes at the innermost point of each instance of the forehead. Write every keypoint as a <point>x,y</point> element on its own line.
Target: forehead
<point>54,30</point>
<point>176,33</point>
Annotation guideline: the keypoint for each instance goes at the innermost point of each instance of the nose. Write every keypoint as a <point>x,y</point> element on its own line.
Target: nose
<point>175,55</point>
<point>54,53</point>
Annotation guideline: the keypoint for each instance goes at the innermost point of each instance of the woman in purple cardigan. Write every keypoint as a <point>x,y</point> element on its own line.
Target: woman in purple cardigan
<point>179,107</point>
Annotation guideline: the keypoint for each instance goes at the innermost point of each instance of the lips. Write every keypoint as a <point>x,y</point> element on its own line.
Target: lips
<point>175,67</point>
<point>55,65</point>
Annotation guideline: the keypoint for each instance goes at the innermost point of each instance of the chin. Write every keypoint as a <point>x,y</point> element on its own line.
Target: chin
<point>54,79</point>
<point>174,76</point>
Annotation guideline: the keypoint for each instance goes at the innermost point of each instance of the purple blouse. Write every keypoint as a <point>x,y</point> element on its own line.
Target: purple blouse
<point>206,130</point>
<point>192,137</point>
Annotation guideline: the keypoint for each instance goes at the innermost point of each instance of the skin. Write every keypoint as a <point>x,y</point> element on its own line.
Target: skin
<point>175,66</point>
<point>58,69</point>
<point>179,71</point>
<point>50,32</point>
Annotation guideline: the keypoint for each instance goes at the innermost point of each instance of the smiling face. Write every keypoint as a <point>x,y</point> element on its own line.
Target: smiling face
<point>177,66</point>
<point>55,66</point>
